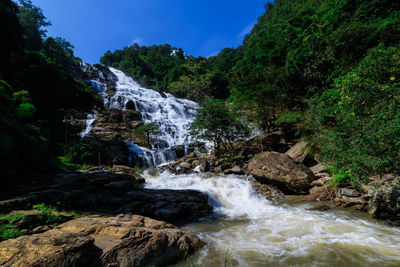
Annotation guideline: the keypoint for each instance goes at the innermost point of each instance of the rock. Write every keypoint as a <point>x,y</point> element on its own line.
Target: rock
<point>185,165</point>
<point>168,205</point>
<point>205,166</point>
<point>321,181</point>
<point>234,170</point>
<point>179,151</point>
<point>267,191</point>
<point>321,208</point>
<point>300,154</point>
<point>130,105</point>
<point>196,163</point>
<point>116,125</point>
<point>382,199</point>
<point>41,229</point>
<point>116,193</point>
<point>192,155</point>
<point>320,167</point>
<point>348,192</point>
<point>344,201</point>
<point>279,170</point>
<point>120,169</point>
<point>52,248</point>
<point>102,241</point>
<point>321,194</point>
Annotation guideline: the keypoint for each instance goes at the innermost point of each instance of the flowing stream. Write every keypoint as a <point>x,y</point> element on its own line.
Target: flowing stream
<point>248,230</point>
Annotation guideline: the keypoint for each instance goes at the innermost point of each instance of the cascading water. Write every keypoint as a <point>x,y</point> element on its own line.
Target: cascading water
<point>258,232</point>
<point>173,115</point>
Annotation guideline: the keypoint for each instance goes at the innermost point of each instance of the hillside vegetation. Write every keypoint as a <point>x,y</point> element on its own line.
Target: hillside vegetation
<point>328,69</point>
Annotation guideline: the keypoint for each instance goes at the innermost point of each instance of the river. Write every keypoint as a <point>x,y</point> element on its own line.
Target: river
<point>248,230</point>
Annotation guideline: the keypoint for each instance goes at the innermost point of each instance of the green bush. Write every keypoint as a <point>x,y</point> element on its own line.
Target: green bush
<point>51,213</point>
<point>89,151</point>
<point>356,123</point>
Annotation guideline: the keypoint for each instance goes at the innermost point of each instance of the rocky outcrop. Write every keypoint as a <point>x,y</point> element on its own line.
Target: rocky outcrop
<point>116,124</point>
<point>102,241</point>
<point>115,193</point>
<point>49,249</point>
<point>280,170</point>
<point>382,197</point>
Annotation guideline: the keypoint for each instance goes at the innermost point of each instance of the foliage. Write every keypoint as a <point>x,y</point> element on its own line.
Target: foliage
<point>39,85</point>
<point>8,231</point>
<point>341,178</point>
<point>145,132</point>
<point>50,212</point>
<point>88,151</point>
<point>357,121</point>
<point>217,123</point>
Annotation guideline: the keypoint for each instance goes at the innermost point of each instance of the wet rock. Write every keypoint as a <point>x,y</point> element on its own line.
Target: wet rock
<point>168,205</point>
<point>121,169</point>
<point>205,166</point>
<point>267,191</point>
<point>179,151</point>
<point>321,208</point>
<point>192,155</point>
<point>234,170</point>
<point>280,170</point>
<point>102,241</point>
<point>115,193</point>
<point>116,124</point>
<point>186,165</point>
<point>196,163</point>
<point>130,105</point>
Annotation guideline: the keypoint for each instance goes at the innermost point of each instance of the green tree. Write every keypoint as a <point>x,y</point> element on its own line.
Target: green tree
<point>145,132</point>
<point>33,22</point>
<point>217,123</point>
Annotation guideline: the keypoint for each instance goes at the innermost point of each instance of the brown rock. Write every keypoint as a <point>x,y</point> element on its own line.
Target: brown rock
<point>49,249</point>
<point>300,154</point>
<point>102,241</point>
<point>279,170</point>
<point>321,194</point>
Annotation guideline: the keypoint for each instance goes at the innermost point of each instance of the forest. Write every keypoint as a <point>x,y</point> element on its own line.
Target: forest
<point>325,70</point>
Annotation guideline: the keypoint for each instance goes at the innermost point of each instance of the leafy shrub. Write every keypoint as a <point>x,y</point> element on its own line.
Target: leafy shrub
<point>8,231</point>
<point>356,123</point>
<point>88,151</point>
<point>51,213</point>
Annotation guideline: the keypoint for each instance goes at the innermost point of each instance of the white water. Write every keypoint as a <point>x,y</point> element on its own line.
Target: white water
<point>173,115</point>
<point>257,232</point>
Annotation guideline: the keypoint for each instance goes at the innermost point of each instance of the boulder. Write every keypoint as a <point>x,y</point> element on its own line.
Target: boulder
<point>205,166</point>
<point>186,165</point>
<point>300,154</point>
<point>102,241</point>
<point>179,151</point>
<point>383,199</point>
<point>267,191</point>
<point>52,248</point>
<point>348,192</point>
<point>280,170</point>
<point>321,193</point>
<point>115,193</point>
<point>234,170</point>
<point>319,168</point>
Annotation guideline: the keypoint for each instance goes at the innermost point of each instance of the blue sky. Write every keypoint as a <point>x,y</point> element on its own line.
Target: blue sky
<point>200,28</point>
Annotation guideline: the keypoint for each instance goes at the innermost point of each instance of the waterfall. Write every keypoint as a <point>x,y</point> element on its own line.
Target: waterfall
<point>173,115</point>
